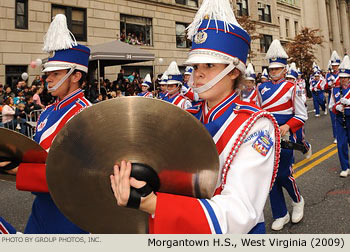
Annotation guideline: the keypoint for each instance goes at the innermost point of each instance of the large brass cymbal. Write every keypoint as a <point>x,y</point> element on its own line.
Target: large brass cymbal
<point>141,130</point>
<point>20,148</point>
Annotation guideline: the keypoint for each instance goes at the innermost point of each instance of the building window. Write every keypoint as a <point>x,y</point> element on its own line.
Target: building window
<point>21,20</point>
<point>264,12</point>
<point>287,28</point>
<point>291,2</point>
<point>242,8</point>
<point>279,25</point>
<point>296,27</point>
<point>76,20</point>
<point>181,36</point>
<point>265,42</point>
<point>13,74</point>
<point>136,30</point>
<point>192,3</point>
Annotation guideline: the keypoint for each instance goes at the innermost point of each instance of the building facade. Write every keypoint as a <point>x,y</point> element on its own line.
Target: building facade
<point>331,17</point>
<point>158,26</point>
<point>155,25</point>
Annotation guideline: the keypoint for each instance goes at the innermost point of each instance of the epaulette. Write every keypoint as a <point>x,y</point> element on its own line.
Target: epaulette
<point>245,107</point>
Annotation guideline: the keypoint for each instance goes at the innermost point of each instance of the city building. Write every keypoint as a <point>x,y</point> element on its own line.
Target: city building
<point>158,26</point>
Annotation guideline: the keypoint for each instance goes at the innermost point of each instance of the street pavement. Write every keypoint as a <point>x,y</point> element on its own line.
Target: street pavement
<point>327,196</point>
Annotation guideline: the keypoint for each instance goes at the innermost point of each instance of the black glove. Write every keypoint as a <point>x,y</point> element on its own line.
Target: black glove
<point>136,194</point>
<point>145,173</point>
<point>13,164</point>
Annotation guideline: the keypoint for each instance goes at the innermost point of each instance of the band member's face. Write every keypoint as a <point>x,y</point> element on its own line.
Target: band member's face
<point>344,81</point>
<point>205,72</point>
<point>290,79</point>
<point>144,88</point>
<point>186,77</point>
<point>264,80</point>
<point>53,78</point>
<point>163,87</point>
<point>277,73</point>
<point>335,68</point>
<point>250,84</point>
<point>317,77</point>
<point>172,88</point>
<point>69,85</point>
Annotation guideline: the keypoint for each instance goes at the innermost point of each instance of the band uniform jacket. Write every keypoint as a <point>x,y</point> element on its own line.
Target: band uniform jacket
<point>178,100</point>
<point>45,216</point>
<point>281,100</point>
<point>146,94</point>
<point>247,141</point>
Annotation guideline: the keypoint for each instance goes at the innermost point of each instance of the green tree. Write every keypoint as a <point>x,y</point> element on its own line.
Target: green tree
<point>301,49</point>
<point>251,27</point>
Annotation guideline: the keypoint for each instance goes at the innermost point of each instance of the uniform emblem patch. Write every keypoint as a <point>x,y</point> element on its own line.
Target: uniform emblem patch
<point>263,143</point>
<point>200,37</point>
<point>265,89</point>
<point>42,125</point>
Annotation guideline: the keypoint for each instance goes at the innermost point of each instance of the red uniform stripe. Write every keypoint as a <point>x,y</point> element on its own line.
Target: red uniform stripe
<point>295,124</point>
<point>32,177</point>
<point>181,220</point>
<point>46,143</point>
<point>281,107</point>
<point>3,230</point>
<point>284,90</point>
<point>231,129</point>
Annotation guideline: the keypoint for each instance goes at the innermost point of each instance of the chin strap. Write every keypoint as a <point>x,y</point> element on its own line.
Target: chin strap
<point>54,88</point>
<point>279,76</point>
<point>212,82</point>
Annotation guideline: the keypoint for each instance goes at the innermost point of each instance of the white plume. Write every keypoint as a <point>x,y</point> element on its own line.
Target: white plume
<point>345,64</point>
<point>58,36</point>
<point>173,69</point>
<point>335,56</point>
<point>265,72</point>
<point>276,50</point>
<point>213,10</point>
<point>147,78</point>
<point>293,67</point>
<point>250,69</point>
<point>164,76</point>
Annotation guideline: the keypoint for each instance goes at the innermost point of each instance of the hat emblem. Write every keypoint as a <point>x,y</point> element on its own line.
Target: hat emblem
<point>170,77</point>
<point>52,54</point>
<point>273,59</point>
<point>200,37</point>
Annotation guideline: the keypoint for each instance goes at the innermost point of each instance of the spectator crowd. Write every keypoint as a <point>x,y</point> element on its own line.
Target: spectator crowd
<point>18,100</point>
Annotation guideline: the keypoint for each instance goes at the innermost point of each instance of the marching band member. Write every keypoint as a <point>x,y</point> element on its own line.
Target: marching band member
<point>341,108</point>
<point>317,85</point>
<point>301,85</point>
<point>247,138</point>
<point>278,96</point>
<point>147,82</point>
<point>264,76</point>
<point>162,83</point>
<point>66,71</point>
<point>185,89</point>
<point>332,82</point>
<point>293,76</point>
<point>249,93</point>
<point>187,75</point>
<point>174,83</point>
